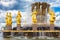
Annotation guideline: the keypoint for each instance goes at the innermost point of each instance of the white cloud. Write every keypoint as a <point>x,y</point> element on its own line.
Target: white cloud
<point>57,15</point>
<point>26,18</point>
<point>55,4</point>
<point>2,13</point>
<point>57,0</point>
<point>57,21</point>
<point>27,0</point>
<point>7,3</point>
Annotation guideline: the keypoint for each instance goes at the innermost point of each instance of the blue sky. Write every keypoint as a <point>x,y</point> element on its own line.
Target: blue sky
<point>20,4</point>
<point>56,9</point>
<point>25,7</point>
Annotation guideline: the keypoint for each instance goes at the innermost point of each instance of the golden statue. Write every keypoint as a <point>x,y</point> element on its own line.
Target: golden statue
<point>7,19</point>
<point>34,20</point>
<point>18,18</point>
<point>52,17</point>
<point>10,19</point>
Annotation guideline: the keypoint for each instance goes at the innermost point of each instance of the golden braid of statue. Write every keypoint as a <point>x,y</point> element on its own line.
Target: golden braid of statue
<point>52,16</point>
<point>7,18</point>
<point>18,18</point>
<point>10,19</point>
<point>34,20</point>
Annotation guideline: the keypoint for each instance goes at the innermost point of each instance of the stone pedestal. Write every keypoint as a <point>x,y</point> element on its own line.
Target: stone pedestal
<point>9,27</point>
<point>7,34</point>
<point>18,26</point>
<point>34,27</point>
<point>51,27</point>
<point>53,34</point>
